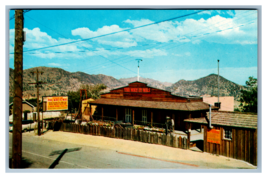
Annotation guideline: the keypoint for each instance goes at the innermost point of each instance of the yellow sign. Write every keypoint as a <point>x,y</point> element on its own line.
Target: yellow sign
<point>57,103</point>
<point>214,136</point>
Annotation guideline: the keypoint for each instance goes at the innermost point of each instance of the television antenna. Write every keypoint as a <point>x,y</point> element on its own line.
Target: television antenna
<point>138,60</point>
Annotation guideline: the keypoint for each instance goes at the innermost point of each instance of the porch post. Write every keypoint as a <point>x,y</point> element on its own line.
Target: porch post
<point>188,135</point>
<point>151,118</point>
<point>133,118</point>
<point>117,114</point>
<point>173,117</point>
<point>90,112</point>
<point>102,113</point>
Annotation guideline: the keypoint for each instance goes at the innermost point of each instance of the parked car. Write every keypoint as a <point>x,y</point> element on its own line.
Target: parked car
<point>26,125</point>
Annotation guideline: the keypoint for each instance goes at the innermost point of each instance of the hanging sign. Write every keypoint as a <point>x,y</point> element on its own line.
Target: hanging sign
<point>214,136</point>
<point>57,103</point>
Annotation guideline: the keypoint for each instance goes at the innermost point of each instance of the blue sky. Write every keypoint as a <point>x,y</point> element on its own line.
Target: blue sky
<point>186,47</point>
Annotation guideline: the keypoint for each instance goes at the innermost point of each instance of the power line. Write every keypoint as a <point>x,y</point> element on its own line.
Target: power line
<point>113,32</point>
<point>155,43</point>
<point>24,11</point>
<point>45,26</point>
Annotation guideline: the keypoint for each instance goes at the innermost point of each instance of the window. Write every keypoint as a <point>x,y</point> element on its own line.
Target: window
<point>128,115</point>
<point>144,116</point>
<point>227,134</point>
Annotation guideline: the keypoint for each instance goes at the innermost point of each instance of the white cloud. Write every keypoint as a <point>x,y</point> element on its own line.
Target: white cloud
<point>205,12</point>
<point>54,64</point>
<point>214,29</point>
<point>123,39</point>
<point>37,39</point>
<point>181,55</point>
<point>137,23</point>
<point>149,53</point>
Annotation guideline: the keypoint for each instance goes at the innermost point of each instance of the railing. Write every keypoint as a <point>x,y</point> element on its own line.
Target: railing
<point>154,124</point>
<point>105,118</point>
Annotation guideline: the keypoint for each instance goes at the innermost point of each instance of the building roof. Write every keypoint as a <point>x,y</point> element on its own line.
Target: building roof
<point>228,119</point>
<point>182,106</point>
<point>24,101</point>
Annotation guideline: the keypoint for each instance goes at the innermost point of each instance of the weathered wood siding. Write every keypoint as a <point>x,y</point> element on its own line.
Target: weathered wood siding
<point>243,145</point>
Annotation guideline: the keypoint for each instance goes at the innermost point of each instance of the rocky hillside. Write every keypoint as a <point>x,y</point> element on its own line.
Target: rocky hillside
<point>206,85</point>
<point>59,81</point>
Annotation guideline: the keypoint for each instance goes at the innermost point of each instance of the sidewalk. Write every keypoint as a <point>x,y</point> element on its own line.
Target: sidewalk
<point>205,160</point>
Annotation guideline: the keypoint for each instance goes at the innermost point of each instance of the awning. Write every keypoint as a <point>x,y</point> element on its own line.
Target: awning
<point>228,119</point>
<point>185,106</point>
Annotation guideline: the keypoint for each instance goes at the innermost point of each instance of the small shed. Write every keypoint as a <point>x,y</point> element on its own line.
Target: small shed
<point>232,134</point>
<point>26,106</point>
<point>86,108</point>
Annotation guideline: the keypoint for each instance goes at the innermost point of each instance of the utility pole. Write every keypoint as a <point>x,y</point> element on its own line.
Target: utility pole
<point>218,82</point>
<point>18,83</point>
<point>37,85</point>
<point>138,60</point>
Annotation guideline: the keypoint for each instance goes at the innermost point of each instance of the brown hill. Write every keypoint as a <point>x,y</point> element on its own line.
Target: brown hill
<point>206,85</point>
<point>59,81</point>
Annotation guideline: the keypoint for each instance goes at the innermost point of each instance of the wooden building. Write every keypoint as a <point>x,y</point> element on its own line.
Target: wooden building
<point>232,134</point>
<point>140,104</point>
<point>26,106</point>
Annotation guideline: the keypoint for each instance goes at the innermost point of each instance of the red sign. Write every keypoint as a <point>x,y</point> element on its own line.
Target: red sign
<point>137,90</point>
<point>214,136</point>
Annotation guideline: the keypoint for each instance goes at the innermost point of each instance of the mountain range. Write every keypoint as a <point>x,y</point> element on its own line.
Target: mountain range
<point>59,82</point>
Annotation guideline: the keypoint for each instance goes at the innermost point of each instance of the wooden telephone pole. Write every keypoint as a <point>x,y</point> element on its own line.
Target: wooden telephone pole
<point>37,85</point>
<point>18,83</point>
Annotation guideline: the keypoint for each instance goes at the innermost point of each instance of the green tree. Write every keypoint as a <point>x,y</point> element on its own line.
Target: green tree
<point>93,91</point>
<point>248,96</point>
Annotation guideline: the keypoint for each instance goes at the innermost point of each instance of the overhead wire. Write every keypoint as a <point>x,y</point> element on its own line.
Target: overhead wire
<point>195,36</point>
<point>24,11</point>
<point>140,45</point>
<point>113,32</point>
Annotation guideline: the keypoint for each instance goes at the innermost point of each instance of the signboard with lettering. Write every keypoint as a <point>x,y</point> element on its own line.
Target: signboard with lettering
<point>214,136</point>
<point>137,90</point>
<point>57,103</point>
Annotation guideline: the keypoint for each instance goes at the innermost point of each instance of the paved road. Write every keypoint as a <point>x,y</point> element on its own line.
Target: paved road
<point>36,151</point>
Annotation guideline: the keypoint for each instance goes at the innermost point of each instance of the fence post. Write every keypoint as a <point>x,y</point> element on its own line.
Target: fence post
<point>163,139</point>
<point>175,143</point>
<point>168,140</point>
<point>155,141</point>
<point>184,143</point>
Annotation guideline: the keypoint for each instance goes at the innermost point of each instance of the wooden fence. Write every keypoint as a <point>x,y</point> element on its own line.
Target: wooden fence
<point>243,144</point>
<point>125,133</point>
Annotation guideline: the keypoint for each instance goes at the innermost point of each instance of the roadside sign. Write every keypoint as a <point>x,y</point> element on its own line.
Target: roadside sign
<point>214,136</point>
<point>57,103</point>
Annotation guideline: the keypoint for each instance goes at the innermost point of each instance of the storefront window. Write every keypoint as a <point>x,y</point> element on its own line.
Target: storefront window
<point>128,115</point>
<point>144,116</point>
<point>227,134</point>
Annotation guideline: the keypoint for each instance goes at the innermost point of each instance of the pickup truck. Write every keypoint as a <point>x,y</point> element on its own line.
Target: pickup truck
<point>26,125</point>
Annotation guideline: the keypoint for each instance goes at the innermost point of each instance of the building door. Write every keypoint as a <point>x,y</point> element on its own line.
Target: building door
<point>128,115</point>
<point>144,116</point>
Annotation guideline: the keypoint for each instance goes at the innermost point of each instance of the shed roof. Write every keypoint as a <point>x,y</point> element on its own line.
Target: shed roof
<point>228,119</point>
<point>24,101</point>
<point>183,106</point>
